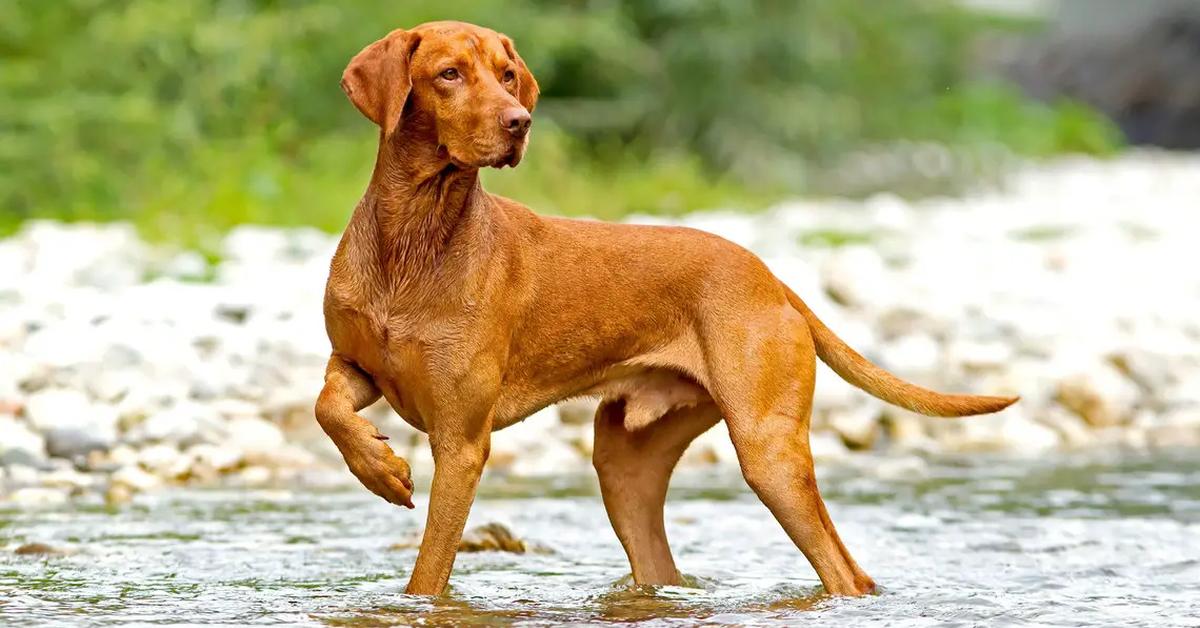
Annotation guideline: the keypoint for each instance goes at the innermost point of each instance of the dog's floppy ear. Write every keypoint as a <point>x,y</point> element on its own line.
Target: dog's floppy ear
<point>527,87</point>
<point>377,79</point>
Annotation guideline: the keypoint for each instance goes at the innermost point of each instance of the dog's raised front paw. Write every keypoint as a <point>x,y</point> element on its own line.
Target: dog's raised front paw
<point>382,472</point>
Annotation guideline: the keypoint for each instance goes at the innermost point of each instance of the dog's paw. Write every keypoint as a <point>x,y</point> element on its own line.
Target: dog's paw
<point>382,472</point>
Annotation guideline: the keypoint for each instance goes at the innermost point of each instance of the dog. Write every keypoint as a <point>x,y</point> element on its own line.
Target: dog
<point>468,312</point>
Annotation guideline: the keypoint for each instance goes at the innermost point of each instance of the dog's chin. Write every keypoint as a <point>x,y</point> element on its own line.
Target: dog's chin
<point>507,156</point>
<point>513,157</point>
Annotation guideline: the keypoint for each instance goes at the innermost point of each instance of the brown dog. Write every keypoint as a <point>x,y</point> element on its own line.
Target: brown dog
<point>468,312</point>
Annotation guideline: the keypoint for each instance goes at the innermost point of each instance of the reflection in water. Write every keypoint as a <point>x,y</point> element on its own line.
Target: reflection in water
<point>625,602</point>
<point>960,542</point>
<point>443,611</point>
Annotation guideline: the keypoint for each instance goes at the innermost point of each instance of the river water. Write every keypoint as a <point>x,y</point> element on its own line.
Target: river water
<point>1109,540</point>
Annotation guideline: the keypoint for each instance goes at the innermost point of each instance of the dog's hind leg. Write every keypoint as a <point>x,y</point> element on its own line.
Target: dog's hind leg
<point>634,469</point>
<point>777,464</point>
<point>765,389</point>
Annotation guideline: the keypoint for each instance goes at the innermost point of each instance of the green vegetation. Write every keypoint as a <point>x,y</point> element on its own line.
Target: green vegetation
<point>192,116</point>
<point>827,238</point>
<point>1043,233</point>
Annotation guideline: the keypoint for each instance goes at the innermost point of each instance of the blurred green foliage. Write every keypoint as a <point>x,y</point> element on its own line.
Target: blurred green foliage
<point>190,116</point>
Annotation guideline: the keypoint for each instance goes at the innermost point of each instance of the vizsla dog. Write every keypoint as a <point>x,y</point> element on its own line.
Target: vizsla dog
<point>468,312</point>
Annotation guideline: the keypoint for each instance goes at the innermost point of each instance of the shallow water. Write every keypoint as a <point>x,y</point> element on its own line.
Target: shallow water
<point>959,543</point>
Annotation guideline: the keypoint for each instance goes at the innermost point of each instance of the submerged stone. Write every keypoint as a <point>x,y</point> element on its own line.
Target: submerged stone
<point>490,537</point>
<point>37,549</point>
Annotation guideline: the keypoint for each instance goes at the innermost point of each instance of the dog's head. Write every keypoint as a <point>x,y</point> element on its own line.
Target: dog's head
<point>460,88</point>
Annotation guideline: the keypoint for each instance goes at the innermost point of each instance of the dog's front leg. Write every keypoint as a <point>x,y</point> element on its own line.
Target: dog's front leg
<point>458,459</point>
<point>348,390</point>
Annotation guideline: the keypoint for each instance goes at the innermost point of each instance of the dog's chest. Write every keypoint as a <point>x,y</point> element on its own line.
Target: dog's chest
<point>408,354</point>
<point>388,346</point>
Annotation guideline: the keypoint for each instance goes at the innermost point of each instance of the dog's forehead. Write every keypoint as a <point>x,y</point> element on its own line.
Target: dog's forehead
<point>458,38</point>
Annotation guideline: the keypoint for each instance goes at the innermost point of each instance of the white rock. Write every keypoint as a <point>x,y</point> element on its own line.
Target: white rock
<point>102,256</point>
<point>1024,436</point>
<point>536,447</point>
<point>578,411</point>
<point>123,455</point>
<point>69,479</point>
<point>51,408</point>
<point>19,444</point>
<point>1150,369</point>
<point>66,409</point>
<point>717,445</point>
<point>184,423</point>
<point>188,265</point>
<point>901,468</point>
<point>15,368</point>
<point>1010,431</point>
<point>907,430</point>
<point>258,439</point>
<point>291,457</point>
<point>858,427</point>
<point>857,276</point>
<point>111,385</point>
<point>584,439</point>
<point>22,475</point>
<point>1184,393</point>
<point>254,475</point>
<point>826,447</point>
<point>38,496</point>
<point>980,355</point>
<point>75,442</point>
<point>220,459</point>
<point>1072,431</point>
<point>915,354</point>
<point>232,408</point>
<point>1175,429</point>
<point>831,391</point>
<point>1101,396</point>
<point>550,459</point>
<point>136,478</point>
<point>160,459</point>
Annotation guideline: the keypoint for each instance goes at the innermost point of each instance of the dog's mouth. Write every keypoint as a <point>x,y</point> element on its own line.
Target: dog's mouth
<point>510,157</point>
<point>502,154</point>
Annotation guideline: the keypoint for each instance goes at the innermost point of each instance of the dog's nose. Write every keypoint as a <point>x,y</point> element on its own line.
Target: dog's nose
<point>516,120</point>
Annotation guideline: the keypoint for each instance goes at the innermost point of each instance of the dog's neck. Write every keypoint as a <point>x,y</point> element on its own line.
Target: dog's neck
<point>416,206</point>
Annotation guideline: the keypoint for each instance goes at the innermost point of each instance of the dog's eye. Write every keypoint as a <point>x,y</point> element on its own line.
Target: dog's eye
<point>509,75</point>
<point>450,74</point>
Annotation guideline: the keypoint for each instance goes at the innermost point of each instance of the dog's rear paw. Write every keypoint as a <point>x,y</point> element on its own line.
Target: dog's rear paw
<point>383,473</point>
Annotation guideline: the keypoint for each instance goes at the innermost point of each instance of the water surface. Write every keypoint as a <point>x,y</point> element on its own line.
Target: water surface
<point>970,542</point>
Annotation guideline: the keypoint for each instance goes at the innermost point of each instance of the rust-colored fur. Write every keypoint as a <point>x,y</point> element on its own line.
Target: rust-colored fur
<point>468,312</point>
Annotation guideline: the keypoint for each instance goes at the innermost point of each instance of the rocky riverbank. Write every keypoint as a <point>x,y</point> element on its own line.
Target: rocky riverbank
<point>125,367</point>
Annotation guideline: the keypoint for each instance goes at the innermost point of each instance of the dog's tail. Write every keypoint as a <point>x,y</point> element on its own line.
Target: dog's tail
<point>861,373</point>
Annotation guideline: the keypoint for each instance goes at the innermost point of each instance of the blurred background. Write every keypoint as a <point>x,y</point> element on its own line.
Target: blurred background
<point>994,196</point>
<point>190,117</point>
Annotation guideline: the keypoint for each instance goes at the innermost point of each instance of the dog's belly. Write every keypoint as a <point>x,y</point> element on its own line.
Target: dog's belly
<point>647,393</point>
<point>650,394</point>
<point>651,384</point>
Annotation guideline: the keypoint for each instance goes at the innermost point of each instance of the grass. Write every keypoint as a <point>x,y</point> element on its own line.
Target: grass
<point>1043,233</point>
<point>227,184</point>
<point>829,238</point>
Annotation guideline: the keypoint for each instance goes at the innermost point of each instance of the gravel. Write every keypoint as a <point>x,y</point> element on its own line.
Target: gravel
<point>127,367</point>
